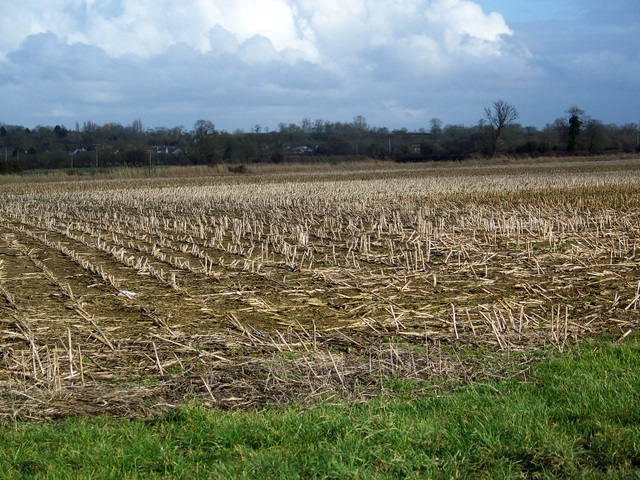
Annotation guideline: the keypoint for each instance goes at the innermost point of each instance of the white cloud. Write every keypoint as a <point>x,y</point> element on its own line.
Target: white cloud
<point>464,27</point>
<point>205,58</point>
<point>149,27</point>
<point>241,62</point>
<point>319,31</point>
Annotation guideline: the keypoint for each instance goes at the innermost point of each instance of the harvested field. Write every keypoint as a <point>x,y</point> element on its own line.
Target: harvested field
<point>130,297</point>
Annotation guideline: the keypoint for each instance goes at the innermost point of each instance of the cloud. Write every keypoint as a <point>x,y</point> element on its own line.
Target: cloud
<point>242,62</point>
<point>318,31</point>
<point>46,78</point>
<point>465,27</point>
<point>149,27</point>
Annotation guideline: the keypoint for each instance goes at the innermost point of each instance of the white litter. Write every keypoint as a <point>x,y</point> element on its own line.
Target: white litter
<point>127,293</point>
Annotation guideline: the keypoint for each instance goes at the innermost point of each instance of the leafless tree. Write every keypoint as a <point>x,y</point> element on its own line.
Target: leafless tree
<point>498,117</point>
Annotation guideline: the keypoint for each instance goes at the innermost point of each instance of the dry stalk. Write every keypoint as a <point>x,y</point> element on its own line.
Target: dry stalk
<point>89,318</point>
<point>70,353</point>
<point>284,341</point>
<point>335,366</point>
<point>158,363</point>
<point>396,318</point>
<point>494,328</point>
<point>455,324</point>
<point>10,298</point>
<point>625,335</point>
<point>192,349</point>
<point>634,302</point>
<point>206,385</point>
<point>473,328</point>
<point>81,365</point>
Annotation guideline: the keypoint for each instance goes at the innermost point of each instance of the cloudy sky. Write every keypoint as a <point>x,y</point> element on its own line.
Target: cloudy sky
<point>238,63</point>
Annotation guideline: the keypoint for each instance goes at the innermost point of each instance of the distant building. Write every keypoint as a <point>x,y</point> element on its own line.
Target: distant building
<point>416,147</point>
<point>165,150</point>
<point>302,149</point>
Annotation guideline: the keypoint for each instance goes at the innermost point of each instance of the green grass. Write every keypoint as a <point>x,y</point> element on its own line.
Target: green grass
<point>578,416</point>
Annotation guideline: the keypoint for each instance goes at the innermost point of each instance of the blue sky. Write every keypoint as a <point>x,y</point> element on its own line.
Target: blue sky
<point>238,63</point>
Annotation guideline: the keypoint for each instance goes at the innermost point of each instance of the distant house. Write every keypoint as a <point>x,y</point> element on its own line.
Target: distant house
<point>301,149</point>
<point>416,147</point>
<point>165,150</point>
<point>159,150</point>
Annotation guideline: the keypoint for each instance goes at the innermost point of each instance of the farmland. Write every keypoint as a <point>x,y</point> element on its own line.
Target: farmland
<point>129,297</point>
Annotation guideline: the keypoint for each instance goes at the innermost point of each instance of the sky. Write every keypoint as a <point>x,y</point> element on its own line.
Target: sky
<point>242,63</point>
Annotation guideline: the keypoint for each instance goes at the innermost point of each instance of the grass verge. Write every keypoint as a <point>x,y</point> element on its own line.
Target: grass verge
<point>577,416</point>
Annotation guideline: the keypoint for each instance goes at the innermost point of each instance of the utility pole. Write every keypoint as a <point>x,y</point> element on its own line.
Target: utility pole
<point>96,145</point>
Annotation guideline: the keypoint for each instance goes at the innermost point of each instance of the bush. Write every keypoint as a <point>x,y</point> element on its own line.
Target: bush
<point>8,168</point>
<point>240,169</point>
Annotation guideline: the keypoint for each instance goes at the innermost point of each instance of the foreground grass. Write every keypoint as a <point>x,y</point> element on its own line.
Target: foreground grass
<point>577,416</point>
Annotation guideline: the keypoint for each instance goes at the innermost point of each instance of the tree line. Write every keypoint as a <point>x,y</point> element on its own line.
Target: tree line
<point>112,144</point>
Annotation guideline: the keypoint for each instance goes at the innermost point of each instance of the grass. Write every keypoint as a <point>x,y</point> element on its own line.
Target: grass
<point>577,416</point>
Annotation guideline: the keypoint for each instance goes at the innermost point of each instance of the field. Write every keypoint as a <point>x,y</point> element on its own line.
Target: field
<point>131,296</point>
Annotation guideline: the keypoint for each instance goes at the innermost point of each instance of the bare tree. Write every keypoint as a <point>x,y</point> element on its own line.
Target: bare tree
<point>203,141</point>
<point>436,127</point>
<point>136,126</point>
<point>306,125</point>
<point>360,123</point>
<point>498,117</point>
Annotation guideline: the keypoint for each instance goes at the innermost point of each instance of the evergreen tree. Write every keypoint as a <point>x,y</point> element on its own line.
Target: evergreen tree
<point>574,132</point>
